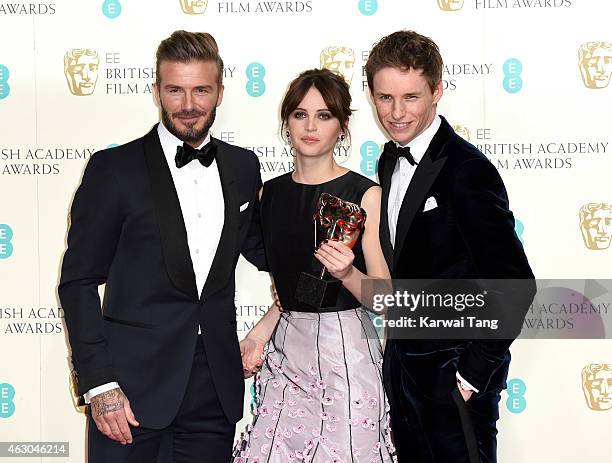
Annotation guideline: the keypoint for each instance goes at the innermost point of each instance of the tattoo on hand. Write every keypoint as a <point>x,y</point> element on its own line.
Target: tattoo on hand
<point>107,402</point>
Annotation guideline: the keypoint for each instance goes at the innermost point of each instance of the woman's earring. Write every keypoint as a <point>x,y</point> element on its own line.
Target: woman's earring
<point>291,147</point>
<point>340,141</point>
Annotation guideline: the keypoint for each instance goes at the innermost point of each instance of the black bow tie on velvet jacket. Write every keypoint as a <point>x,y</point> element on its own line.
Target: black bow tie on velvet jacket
<point>187,153</point>
<point>395,153</point>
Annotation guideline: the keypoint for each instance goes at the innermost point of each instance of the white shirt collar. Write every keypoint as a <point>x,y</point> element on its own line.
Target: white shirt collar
<point>169,142</point>
<point>419,144</point>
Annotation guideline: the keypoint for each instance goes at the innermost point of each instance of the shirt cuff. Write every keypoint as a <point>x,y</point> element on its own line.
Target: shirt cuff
<point>465,383</point>
<point>99,390</point>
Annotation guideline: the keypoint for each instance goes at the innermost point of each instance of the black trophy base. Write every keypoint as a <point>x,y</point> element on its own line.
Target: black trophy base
<point>317,293</point>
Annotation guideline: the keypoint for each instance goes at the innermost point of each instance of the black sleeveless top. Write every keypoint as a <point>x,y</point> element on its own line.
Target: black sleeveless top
<point>287,210</point>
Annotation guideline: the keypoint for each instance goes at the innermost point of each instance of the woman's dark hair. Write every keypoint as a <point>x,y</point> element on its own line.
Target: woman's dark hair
<point>333,88</point>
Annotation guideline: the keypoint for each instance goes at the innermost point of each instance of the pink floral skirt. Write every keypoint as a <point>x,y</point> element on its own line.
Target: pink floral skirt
<point>320,396</point>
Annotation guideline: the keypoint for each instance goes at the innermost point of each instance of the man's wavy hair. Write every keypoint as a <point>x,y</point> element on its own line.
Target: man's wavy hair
<point>406,50</point>
<point>183,46</point>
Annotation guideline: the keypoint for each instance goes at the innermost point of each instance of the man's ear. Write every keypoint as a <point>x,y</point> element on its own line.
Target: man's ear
<point>220,96</point>
<point>437,94</point>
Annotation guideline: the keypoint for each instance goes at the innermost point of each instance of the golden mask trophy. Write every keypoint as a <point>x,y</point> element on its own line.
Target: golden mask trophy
<point>334,219</point>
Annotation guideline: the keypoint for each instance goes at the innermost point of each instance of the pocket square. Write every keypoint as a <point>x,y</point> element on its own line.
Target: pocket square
<point>430,204</point>
<point>244,206</point>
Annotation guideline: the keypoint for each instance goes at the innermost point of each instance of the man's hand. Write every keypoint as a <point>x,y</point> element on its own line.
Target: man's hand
<point>111,412</point>
<point>251,351</point>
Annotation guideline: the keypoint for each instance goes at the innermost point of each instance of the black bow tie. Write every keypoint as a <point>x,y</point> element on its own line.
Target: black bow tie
<point>187,153</point>
<point>392,150</point>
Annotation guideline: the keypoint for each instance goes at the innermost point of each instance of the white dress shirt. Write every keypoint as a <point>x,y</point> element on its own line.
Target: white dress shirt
<point>201,199</point>
<point>403,172</point>
<point>401,178</point>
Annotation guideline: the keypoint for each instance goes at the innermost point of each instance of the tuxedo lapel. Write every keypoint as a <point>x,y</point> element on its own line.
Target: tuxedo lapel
<point>169,217</point>
<point>223,262</point>
<point>424,177</point>
<point>385,171</point>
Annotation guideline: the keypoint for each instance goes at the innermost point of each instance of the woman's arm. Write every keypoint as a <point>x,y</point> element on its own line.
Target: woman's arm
<point>253,345</point>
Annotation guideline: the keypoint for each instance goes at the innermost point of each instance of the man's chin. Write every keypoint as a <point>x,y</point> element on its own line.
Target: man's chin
<point>402,141</point>
<point>185,127</point>
<point>399,136</point>
<point>190,132</point>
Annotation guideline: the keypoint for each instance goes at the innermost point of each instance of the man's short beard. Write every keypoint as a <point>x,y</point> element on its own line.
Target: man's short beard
<point>190,135</point>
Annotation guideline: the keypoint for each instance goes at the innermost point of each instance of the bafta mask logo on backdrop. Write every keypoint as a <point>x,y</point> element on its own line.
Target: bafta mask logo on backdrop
<point>194,7</point>
<point>597,386</point>
<point>450,5</point>
<point>462,131</point>
<point>596,225</point>
<point>74,394</point>
<point>339,60</point>
<point>595,62</point>
<point>81,69</point>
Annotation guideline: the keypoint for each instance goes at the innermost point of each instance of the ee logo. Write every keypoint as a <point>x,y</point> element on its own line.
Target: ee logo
<point>512,75</point>
<point>7,406</point>
<point>378,323</point>
<point>519,228</point>
<point>6,235</point>
<point>5,88</point>
<point>368,7</point>
<point>253,398</point>
<point>516,402</point>
<point>111,8</point>
<point>255,73</point>
<point>369,158</point>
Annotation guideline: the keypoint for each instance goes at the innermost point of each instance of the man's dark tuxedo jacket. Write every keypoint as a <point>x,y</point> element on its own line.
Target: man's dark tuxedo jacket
<point>127,231</point>
<point>469,235</point>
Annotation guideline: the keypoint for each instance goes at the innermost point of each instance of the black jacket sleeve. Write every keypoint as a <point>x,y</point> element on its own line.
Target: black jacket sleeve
<point>486,225</point>
<point>96,221</point>
<point>253,248</point>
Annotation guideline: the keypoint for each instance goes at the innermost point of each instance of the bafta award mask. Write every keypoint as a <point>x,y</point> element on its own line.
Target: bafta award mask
<point>336,219</point>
